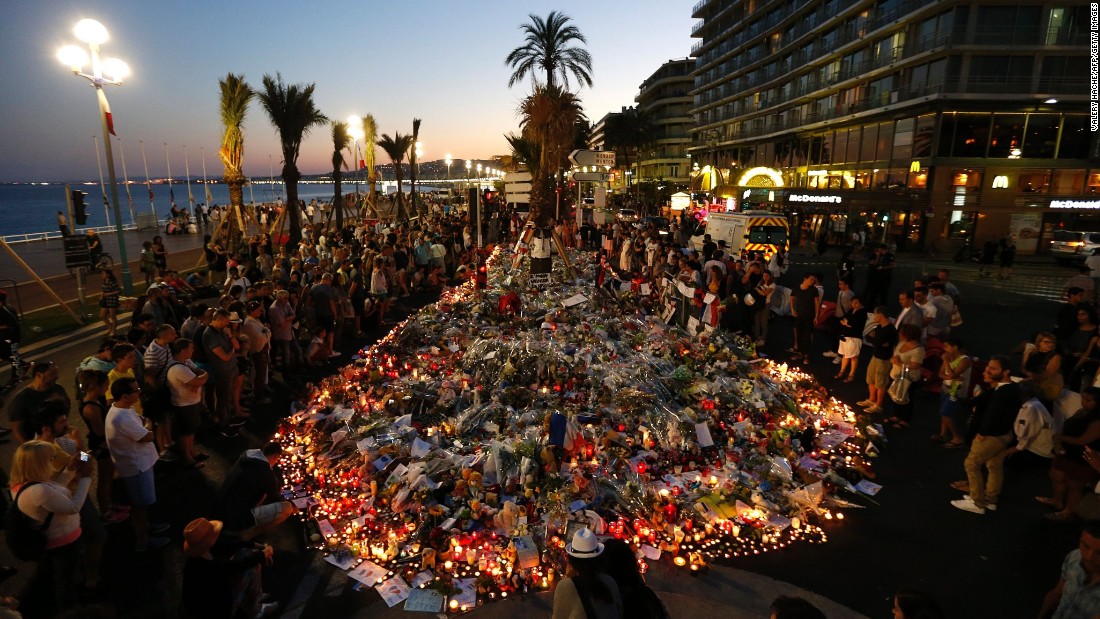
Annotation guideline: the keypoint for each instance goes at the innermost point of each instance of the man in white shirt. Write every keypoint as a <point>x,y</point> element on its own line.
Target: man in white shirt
<point>134,453</point>
<point>921,300</point>
<point>259,342</point>
<point>716,260</point>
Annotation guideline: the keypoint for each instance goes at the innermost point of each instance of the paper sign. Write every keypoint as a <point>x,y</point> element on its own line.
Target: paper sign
<point>368,573</point>
<point>422,578</point>
<point>492,355</point>
<point>420,448</point>
<point>447,524</point>
<point>867,487</point>
<point>702,432</point>
<point>685,290</point>
<point>467,595</point>
<point>365,445</point>
<point>644,289</point>
<point>527,554</point>
<point>693,325</point>
<point>668,313</point>
<point>393,591</point>
<point>709,298</point>
<point>576,299</point>
<point>344,561</point>
<point>651,553</point>
<point>304,502</point>
<point>382,462</point>
<point>424,601</point>
<point>326,528</point>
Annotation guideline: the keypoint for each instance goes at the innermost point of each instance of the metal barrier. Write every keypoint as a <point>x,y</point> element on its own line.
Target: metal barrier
<point>29,237</point>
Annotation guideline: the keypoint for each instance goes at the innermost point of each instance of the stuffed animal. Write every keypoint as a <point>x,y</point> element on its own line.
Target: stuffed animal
<point>507,517</point>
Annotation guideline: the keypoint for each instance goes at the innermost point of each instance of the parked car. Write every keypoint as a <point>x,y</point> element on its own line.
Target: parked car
<point>1072,246</point>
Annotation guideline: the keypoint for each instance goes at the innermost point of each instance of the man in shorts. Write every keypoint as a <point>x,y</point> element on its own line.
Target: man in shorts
<point>882,338</point>
<point>131,443</point>
<point>249,502</point>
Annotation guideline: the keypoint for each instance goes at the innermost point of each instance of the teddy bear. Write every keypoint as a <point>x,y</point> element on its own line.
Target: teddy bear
<point>507,517</point>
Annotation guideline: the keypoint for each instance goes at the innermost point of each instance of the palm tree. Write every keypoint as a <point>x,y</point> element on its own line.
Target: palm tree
<point>235,97</point>
<point>629,133</point>
<point>549,119</point>
<point>340,141</point>
<point>370,138</point>
<point>546,49</point>
<point>293,112</point>
<point>396,148</point>
<point>413,162</point>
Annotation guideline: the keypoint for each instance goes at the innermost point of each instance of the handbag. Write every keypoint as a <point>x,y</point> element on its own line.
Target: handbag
<point>899,389</point>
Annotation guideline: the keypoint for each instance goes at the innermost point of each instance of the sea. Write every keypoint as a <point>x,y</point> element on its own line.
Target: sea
<point>27,208</point>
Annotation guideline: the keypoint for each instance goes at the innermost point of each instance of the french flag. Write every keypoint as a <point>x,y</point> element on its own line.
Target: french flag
<point>107,112</point>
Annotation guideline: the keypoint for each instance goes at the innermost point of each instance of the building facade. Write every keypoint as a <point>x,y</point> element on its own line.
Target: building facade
<point>917,121</point>
<point>665,99</point>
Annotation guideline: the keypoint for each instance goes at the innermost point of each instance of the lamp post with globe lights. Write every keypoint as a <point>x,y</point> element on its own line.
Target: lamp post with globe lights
<point>111,71</point>
<point>447,160</point>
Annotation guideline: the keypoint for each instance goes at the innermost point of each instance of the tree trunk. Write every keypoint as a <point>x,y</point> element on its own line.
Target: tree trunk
<point>402,213</point>
<point>290,178</point>
<point>236,201</point>
<point>338,198</point>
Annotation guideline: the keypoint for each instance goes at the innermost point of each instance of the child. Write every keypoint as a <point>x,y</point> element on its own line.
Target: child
<point>148,262</point>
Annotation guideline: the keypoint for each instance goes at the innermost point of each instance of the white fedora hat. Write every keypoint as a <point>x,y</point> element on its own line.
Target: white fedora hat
<point>584,545</point>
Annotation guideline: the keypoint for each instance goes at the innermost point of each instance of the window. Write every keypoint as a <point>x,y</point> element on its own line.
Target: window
<point>971,135</point>
<point>1075,138</point>
<point>923,137</point>
<point>840,146</point>
<point>853,145</point>
<point>1042,136</point>
<point>1007,136</point>
<point>1067,182</point>
<point>903,140</point>
<point>885,141</point>
<point>868,143</point>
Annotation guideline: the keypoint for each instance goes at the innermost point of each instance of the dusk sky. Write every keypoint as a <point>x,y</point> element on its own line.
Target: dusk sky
<point>442,62</point>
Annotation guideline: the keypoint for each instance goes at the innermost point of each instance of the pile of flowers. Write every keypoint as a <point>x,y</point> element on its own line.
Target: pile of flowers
<point>461,451</point>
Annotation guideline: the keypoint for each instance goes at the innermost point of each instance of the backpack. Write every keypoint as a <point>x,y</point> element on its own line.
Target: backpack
<point>26,538</point>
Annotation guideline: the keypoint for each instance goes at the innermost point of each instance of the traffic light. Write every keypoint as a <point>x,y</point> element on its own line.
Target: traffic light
<point>481,280</point>
<point>488,196</point>
<point>80,210</point>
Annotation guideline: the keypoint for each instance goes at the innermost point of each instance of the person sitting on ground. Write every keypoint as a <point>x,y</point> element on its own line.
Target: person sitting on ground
<point>1075,595</point>
<point>1071,476</point>
<point>249,502</point>
<point>787,607</point>
<point>586,592</point>
<point>910,604</point>
<point>639,601</point>
<point>317,352</point>
<point>222,577</point>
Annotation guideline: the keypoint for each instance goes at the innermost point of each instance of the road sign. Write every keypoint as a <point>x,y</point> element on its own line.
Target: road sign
<point>594,177</point>
<point>592,157</point>
<point>517,177</point>
<point>518,187</point>
<point>76,252</point>
<point>519,198</point>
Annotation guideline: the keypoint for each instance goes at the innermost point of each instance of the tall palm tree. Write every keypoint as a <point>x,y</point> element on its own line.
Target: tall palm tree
<point>340,141</point>
<point>548,119</point>
<point>235,97</point>
<point>546,49</point>
<point>370,138</point>
<point>293,112</point>
<point>396,148</point>
<point>413,162</point>
<point>629,133</point>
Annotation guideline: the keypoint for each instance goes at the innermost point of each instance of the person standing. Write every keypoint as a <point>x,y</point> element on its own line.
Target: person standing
<point>160,255</point>
<point>323,296</point>
<point>221,346</point>
<point>988,449</point>
<point>62,224</point>
<point>259,337</point>
<point>281,315</point>
<point>805,303</point>
<point>11,333</point>
<point>131,443</point>
<point>186,381</point>
<point>1008,256</point>
<point>882,338</point>
<point>43,386</point>
<point>954,392</point>
<point>109,302</point>
<point>851,339</point>
<point>879,276</point>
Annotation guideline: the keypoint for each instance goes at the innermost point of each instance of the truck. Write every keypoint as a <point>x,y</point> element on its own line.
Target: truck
<point>746,231</point>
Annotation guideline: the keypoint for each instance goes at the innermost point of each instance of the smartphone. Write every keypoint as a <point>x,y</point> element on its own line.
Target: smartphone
<point>84,456</point>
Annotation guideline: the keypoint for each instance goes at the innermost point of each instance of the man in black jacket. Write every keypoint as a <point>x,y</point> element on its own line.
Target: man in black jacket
<point>994,433</point>
<point>249,501</point>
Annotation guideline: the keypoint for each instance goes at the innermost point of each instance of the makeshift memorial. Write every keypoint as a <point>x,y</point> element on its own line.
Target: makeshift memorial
<point>463,449</point>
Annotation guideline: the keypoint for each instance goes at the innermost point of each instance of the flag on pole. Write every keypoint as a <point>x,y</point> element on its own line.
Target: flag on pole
<point>171,195</point>
<point>107,111</point>
<point>209,200</point>
<point>362,164</point>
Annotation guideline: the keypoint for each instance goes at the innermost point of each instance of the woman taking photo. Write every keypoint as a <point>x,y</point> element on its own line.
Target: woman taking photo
<point>39,474</point>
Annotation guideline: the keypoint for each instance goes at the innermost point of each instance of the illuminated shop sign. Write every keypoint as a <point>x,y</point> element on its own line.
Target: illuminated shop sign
<point>805,197</point>
<point>1075,204</point>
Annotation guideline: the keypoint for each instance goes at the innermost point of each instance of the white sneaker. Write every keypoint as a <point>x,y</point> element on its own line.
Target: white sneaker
<point>836,360</point>
<point>830,354</point>
<point>967,505</point>
<point>990,506</point>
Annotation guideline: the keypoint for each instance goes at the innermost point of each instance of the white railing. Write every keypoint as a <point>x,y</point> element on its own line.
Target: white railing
<point>56,235</point>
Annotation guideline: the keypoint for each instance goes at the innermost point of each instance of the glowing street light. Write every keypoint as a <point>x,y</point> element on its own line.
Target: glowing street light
<point>111,71</point>
<point>355,131</point>
<point>447,160</point>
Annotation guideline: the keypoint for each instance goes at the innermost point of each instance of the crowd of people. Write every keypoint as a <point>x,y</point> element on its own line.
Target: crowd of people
<point>205,350</point>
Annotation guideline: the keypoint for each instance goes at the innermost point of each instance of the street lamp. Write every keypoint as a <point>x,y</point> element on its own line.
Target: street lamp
<point>447,160</point>
<point>355,131</point>
<point>94,33</point>
<point>468,166</point>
